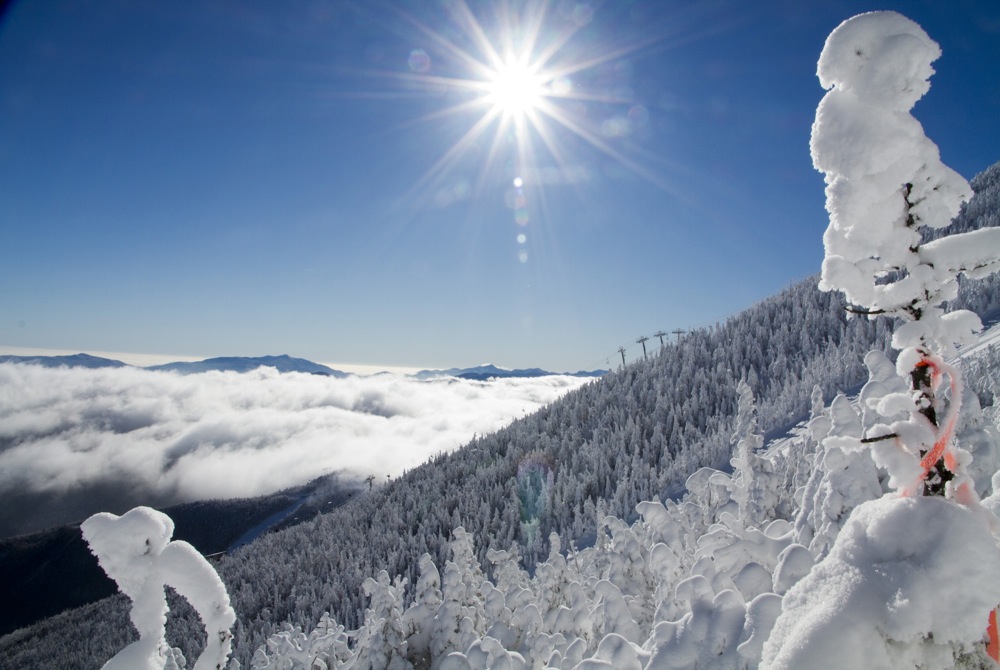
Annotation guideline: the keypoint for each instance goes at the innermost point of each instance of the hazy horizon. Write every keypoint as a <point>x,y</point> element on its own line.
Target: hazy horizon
<point>144,360</point>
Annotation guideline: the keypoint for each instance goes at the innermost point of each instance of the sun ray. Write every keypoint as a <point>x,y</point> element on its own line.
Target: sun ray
<point>481,39</point>
<point>606,148</point>
<point>518,79</point>
<point>465,58</point>
<point>467,140</point>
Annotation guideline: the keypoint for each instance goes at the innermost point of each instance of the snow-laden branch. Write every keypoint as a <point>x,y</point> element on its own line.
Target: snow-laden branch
<point>885,178</point>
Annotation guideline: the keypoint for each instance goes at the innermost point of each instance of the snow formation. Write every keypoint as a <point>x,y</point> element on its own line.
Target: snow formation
<point>136,551</point>
<point>906,583</point>
<point>884,177</point>
<point>905,586</point>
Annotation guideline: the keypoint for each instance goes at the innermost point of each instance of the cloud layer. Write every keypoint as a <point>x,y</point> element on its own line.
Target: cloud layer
<point>73,441</point>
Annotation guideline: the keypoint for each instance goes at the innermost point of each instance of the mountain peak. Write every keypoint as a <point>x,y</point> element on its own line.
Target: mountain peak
<point>281,362</point>
<point>69,361</point>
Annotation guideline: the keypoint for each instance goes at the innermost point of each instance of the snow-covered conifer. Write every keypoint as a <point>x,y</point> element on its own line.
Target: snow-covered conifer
<point>905,586</point>
<point>906,582</point>
<point>885,181</point>
<point>843,477</point>
<point>381,641</point>
<point>747,441</point>
<point>419,617</point>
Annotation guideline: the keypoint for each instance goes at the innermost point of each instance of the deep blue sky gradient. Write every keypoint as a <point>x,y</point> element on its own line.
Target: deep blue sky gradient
<point>250,178</point>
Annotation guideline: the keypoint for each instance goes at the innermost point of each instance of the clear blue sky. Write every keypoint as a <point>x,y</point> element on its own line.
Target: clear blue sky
<point>249,178</point>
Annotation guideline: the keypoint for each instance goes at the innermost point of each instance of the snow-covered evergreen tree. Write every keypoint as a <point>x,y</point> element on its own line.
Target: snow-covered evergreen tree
<point>751,487</point>
<point>905,582</point>
<point>885,181</point>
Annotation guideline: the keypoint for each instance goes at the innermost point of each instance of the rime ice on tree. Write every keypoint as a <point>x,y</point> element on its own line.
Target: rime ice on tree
<point>907,582</point>
<point>885,180</point>
<point>135,550</point>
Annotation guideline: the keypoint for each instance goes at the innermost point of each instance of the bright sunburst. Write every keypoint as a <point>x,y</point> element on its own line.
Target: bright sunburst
<point>515,89</point>
<point>514,75</point>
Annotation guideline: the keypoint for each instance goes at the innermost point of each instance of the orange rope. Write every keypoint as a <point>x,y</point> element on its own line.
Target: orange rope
<point>947,431</point>
<point>993,645</point>
<point>940,450</point>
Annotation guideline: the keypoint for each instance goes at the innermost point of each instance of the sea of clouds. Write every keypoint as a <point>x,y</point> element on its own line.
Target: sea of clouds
<point>74,441</point>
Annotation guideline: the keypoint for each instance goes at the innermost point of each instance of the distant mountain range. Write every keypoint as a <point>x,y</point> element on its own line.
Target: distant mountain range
<point>74,361</point>
<point>282,363</point>
<point>490,371</point>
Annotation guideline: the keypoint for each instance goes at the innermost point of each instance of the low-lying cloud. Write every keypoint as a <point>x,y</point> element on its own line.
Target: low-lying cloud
<point>74,441</point>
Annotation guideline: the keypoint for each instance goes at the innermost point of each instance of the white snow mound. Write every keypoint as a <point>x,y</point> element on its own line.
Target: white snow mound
<point>908,583</point>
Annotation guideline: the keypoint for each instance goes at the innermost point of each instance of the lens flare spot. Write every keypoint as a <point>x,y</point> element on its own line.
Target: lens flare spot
<point>419,61</point>
<point>522,256</point>
<point>561,86</point>
<point>535,480</point>
<point>638,114</point>
<point>456,192</point>
<point>618,126</point>
<point>518,182</point>
<point>522,238</point>
<point>521,217</point>
<point>583,14</point>
<point>515,200</point>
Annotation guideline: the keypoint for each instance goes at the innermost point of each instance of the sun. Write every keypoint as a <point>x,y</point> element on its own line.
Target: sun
<point>515,89</point>
<point>525,91</point>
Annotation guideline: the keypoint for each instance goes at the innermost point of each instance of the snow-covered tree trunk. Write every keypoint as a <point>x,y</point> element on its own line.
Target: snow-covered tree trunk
<point>885,181</point>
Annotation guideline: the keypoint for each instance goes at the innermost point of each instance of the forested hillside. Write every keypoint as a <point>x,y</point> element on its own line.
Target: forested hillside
<point>636,434</point>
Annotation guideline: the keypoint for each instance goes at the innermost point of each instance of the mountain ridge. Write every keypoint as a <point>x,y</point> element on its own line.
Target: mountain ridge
<point>80,360</point>
<point>284,363</point>
<point>490,371</point>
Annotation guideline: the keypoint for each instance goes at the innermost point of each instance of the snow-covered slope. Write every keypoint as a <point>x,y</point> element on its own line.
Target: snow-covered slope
<point>631,435</point>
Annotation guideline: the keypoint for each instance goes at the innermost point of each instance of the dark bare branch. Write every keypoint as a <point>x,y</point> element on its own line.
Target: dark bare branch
<point>865,312</point>
<point>880,438</point>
